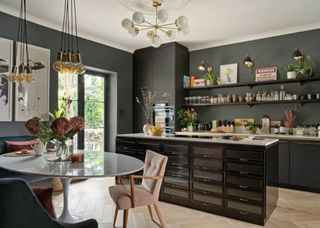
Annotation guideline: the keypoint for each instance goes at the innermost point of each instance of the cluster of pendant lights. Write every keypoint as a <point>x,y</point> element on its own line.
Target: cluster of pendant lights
<point>69,57</point>
<point>21,71</point>
<point>138,23</point>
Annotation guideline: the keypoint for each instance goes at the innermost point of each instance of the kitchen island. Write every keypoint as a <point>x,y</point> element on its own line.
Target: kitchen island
<point>221,176</point>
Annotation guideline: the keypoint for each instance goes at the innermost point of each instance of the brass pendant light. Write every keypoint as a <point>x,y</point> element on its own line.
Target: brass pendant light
<point>69,57</point>
<point>21,71</point>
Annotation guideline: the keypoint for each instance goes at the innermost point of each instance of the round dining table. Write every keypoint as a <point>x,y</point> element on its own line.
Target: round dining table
<point>95,164</point>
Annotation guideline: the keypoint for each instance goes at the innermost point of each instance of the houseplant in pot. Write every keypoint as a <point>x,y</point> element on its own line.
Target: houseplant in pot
<point>148,99</point>
<point>291,70</point>
<point>187,118</point>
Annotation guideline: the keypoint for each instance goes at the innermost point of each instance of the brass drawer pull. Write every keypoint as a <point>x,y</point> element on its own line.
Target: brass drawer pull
<point>205,192</point>
<point>243,212</point>
<point>243,186</point>
<point>243,199</point>
<point>205,180</point>
<point>243,172</point>
<point>205,168</point>
<point>244,159</point>
<point>205,204</point>
<point>173,197</point>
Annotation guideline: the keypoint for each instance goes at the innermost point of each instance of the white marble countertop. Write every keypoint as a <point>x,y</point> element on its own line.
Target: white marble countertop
<point>245,141</point>
<point>273,136</point>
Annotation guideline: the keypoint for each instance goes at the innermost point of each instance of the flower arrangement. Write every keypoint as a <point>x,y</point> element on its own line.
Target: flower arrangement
<point>187,117</point>
<point>58,128</point>
<point>148,100</point>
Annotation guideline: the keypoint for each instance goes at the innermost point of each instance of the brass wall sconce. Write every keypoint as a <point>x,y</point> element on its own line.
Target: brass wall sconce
<point>204,66</point>
<point>297,55</point>
<point>248,61</point>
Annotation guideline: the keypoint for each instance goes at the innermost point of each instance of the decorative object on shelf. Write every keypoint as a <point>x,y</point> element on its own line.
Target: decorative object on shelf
<point>229,73</point>
<point>21,71</point>
<point>139,23</point>
<point>209,76</point>
<point>290,119</point>
<point>148,100</point>
<point>6,49</point>
<point>303,68</point>
<point>187,118</point>
<point>57,129</point>
<point>69,58</point>
<point>297,55</point>
<point>265,125</point>
<point>186,81</point>
<point>156,131</point>
<point>266,74</point>
<point>30,100</point>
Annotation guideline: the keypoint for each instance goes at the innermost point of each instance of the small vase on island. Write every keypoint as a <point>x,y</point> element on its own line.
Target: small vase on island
<point>190,128</point>
<point>146,128</point>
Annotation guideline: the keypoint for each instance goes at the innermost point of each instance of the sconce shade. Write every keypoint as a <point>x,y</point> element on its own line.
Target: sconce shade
<point>202,66</point>
<point>297,55</point>
<point>248,61</point>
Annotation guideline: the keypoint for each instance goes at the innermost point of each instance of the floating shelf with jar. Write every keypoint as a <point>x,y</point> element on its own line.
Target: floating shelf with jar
<point>301,81</point>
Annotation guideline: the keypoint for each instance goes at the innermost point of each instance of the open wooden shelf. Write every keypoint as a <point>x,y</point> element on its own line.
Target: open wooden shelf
<point>301,102</point>
<point>301,81</point>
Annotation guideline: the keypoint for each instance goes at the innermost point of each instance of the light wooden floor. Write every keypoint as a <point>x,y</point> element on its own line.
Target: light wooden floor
<point>90,199</point>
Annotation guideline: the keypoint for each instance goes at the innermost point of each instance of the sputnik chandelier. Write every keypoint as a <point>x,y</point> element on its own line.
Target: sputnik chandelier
<point>69,57</point>
<point>22,70</point>
<point>139,23</point>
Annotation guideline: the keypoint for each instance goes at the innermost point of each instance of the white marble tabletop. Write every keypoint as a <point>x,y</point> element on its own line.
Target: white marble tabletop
<point>96,164</point>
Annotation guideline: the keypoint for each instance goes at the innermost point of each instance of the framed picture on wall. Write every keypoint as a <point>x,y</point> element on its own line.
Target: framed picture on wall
<point>6,51</point>
<point>229,73</point>
<point>32,99</point>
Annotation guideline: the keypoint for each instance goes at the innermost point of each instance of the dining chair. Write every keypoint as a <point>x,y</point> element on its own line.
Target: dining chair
<point>19,208</point>
<point>146,194</point>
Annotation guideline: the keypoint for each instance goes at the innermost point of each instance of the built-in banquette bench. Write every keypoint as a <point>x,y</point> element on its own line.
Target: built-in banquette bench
<point>8,174</point>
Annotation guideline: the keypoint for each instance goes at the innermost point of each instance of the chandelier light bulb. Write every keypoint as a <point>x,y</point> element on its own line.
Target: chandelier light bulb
<point>138,18</point>
<point>182,21</point>
<point>156,41</point>
<point>134,31</point>
<point>184,30</point>
<point>171,34</point>
<point>150,34</point>
<point>127,24</point>
<point>163,16</point>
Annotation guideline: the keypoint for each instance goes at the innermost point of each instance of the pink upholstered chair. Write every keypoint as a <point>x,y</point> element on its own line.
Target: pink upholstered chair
<point>146,194</point>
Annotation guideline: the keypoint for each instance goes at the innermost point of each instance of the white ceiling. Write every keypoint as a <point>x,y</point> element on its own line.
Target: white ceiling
<point>212,22</point>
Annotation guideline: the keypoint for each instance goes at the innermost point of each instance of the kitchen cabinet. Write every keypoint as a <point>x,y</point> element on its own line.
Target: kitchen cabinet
<point>284,163</point>
<point>218,178</point>
<point>304,165</point>
<point>161,70</point>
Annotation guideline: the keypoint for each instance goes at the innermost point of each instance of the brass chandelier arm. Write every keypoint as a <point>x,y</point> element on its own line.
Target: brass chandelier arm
<point>164,27</point>
<point>147,22</point>
<point>145,26</point>
<point>164,31</point>
<point>168,24</point>
<point>145,29</point>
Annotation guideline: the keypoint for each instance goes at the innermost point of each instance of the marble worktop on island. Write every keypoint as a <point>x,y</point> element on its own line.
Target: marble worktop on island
<point>245,141</point>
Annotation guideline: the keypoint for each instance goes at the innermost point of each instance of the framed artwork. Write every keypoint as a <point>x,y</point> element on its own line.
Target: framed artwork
<point>6,52</point>
<point>229,73</point>
<point>32,99</point>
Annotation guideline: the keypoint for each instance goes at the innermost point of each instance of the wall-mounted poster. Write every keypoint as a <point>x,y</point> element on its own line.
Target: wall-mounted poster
<point>6,47</point>
<point>32,99</point>
<point>229,73</point>
<point>266,74</point>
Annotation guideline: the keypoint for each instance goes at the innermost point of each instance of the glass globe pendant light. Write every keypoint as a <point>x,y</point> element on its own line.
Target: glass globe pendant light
<point>69,58</point>
<point>139,23</point>
<point>21,71</point>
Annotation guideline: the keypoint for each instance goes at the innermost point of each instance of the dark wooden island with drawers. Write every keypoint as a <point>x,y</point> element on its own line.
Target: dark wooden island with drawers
<point>225,177</point>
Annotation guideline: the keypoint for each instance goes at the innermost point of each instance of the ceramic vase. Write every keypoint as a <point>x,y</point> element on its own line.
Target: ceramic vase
<point>146,128</point>
<point>291,75</point>
<point>190,128</point>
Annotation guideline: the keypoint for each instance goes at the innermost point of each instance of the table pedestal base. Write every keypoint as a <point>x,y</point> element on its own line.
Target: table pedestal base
<point>65,215</point>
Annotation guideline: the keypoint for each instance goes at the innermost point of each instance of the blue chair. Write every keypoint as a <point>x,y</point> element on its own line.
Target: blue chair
<point>19,208</point>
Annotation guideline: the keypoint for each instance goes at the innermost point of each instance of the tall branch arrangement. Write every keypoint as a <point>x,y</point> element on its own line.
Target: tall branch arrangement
<point>148,100</point>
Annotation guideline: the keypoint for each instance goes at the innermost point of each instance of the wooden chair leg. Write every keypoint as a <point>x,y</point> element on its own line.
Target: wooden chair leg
<point>125,218</point>
<point>162,221</point>
<point>150,212</point>
<point>115,217</point>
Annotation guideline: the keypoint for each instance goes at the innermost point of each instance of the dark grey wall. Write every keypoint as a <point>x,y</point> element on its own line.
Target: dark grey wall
<point>275,51</point>
<point>94,55</point>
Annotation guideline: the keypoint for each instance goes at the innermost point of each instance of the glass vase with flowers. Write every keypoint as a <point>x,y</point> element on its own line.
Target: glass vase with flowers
<point>188,118</point>
<point>58,128</point>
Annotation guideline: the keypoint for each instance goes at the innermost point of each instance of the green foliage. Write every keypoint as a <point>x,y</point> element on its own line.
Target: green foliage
<point>187,117</point>
<point>303,69</point>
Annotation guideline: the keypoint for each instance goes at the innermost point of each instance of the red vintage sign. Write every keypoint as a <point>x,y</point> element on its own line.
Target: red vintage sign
<point>266,74</point>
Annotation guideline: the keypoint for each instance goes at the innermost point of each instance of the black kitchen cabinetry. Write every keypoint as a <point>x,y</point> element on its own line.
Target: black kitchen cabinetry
<point>160,69</point>
<point>304,165</point>
<point>219,178</point>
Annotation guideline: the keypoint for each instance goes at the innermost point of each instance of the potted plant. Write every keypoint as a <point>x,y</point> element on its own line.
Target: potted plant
<point>148,100</point>
<point>210,78</point>
<point>188,118</point>
<point>291,70</point>
<point>305,68</point>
